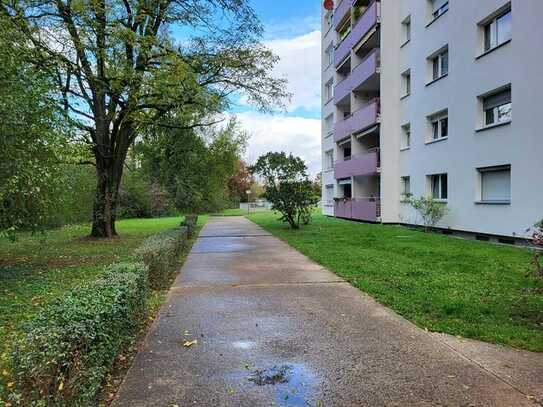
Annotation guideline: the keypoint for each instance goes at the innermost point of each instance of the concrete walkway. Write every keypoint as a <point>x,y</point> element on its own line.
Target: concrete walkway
<point>274,328</point>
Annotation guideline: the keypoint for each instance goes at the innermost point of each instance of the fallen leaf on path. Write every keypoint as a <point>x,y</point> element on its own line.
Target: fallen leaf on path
<point>188,344</point>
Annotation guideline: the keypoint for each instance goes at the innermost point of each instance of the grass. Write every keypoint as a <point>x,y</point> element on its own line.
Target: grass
<point>444,284</point>
<point>39,268</point>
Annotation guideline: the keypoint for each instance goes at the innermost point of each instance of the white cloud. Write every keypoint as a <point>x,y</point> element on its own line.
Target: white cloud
<point>300,64</point>
<point>297,135</point>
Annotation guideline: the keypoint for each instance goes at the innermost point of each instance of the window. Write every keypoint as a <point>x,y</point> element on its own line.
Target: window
<point>497,31</point>
<point>439,186</point>
<point>329,90</point>
<point>406,136</point>
<point>440,126</point>
<point>495,184</point>
<point>406,187</point>
<point>440,65</point>
<point>439,7</point>
<point>329,160</point>
<point>347,152</point>
<point>497,108</point>
<point>329,20</point>
<point>329,55</point>
<point>329,125</point>
<point>406,26</point>
<point>329,194</point>
<point>406,78</point>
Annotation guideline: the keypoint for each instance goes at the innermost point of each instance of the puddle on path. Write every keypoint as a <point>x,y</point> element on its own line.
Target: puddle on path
<point>244,344</point>
<point>294,384</point>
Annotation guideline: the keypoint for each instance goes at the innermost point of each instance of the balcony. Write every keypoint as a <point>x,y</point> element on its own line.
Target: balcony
<point>364,24</point>
<point>364,209</point>
<point>341,12</point>
<point>365,76</point>
<point>359,164</point>
<point>357,121</point>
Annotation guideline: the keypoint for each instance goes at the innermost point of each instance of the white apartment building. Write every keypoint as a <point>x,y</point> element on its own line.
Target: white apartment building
<point>434,98</point>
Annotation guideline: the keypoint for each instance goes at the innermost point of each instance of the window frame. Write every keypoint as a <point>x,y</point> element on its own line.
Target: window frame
<point>329,90</point>
<point>406,182</point>
<point>491,27</point>
<point>485,170</point>
<point>438,67</point>
<point>496,109</point>
<point>329,55</point>
<point>438,122</point>
<point>406,136</point>
<point>327,187</point>
<point>436,13</point>
<point>406,30</point>
<point>406,85</point>
<point>442,187</point>
<point>329,160</point>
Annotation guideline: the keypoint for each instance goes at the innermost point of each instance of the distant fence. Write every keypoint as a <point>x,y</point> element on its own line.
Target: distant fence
<point>255,206</point>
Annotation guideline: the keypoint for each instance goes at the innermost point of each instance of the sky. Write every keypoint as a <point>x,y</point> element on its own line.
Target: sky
<point>292,31</point>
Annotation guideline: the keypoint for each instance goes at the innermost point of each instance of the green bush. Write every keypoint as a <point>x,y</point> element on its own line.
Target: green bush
<point>190,223</point>
<point>160,253</point>
<point>67,349</point>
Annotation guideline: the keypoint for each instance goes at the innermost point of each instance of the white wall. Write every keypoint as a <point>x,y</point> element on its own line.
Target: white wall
<point>327,141</point>
<point>519,144</point>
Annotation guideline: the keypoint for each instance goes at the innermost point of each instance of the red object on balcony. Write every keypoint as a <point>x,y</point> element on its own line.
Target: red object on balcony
<point>329,4</point>
<point>366,22</point>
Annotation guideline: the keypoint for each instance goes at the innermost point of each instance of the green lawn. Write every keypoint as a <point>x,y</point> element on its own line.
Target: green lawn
<point>36,269</point>
<point>444,284</point>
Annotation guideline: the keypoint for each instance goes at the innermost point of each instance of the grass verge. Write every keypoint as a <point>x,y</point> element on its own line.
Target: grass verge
<point>461,287</point>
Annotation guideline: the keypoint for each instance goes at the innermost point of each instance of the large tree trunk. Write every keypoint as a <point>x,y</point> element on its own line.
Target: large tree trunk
<point>105,204</point>
<point>109,171</point>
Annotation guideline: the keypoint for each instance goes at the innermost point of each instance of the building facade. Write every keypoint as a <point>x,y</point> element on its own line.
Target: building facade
<point>434,98</point>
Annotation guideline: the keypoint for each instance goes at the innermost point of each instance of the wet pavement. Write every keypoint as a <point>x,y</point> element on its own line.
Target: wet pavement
<point>275,329</point>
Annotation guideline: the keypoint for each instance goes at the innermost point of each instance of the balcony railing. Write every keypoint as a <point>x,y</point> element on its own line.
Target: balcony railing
<point>360,74</point>
<point>365,208</point>
<point>359,164</point>
<point>359,120</point>
<point>341,12</point>
<point>365,23</point>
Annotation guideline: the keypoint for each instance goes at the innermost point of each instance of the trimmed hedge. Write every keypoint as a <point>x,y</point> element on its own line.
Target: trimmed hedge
<point>161,253</point>
<point>69,347</point>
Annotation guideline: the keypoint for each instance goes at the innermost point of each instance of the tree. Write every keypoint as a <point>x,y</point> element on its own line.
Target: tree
<point>430,210</point>
<point>288,187</point>
<point>240,183</point>
<point>32,141</point>
<point>194,167</point>
<point>118,71</point>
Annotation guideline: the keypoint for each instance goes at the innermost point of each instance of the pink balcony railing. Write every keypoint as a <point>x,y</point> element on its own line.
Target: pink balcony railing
<point>359,164</point>
<point>359,120</point>
<point>367,209</point>
<point>359,75</point>
<point>365,23</point>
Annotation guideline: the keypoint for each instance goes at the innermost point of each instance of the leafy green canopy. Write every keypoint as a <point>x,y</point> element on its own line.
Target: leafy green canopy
<point>288,187</point>
<point>32,139</point>
<point>118,71</point>
<point>194,167</point>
